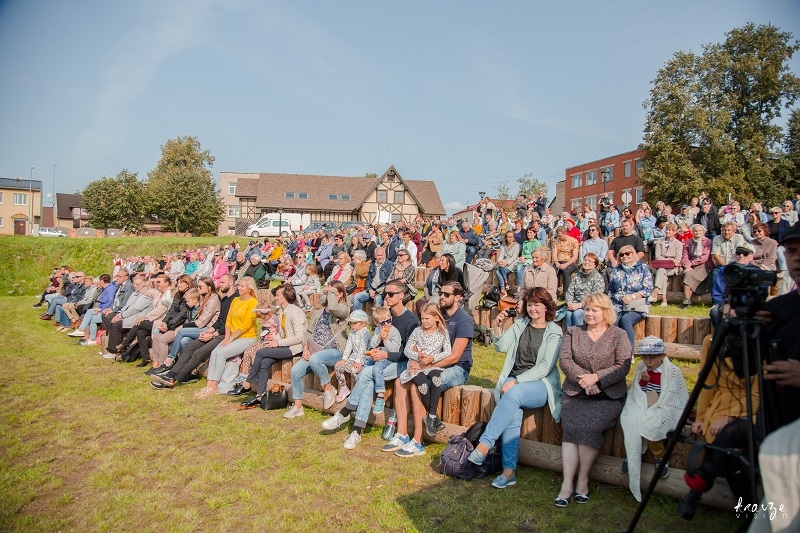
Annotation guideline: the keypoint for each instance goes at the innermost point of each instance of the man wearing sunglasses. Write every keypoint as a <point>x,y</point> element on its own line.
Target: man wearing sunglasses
<point>744,257</point>
<point>360,400</point>
<point>456,367</point>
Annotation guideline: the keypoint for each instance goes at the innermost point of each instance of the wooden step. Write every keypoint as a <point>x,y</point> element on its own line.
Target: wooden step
<point>683,352</point>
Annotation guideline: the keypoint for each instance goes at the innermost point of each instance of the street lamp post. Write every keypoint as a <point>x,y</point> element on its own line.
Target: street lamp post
<point>604,173</point>
<point>280,221</point>
<point>30,201</point>
<point>54,187</point>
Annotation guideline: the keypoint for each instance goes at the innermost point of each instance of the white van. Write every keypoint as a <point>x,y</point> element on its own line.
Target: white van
<point>274,224</point>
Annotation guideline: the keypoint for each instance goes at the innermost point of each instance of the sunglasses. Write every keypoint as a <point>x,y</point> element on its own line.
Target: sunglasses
<point>624,254</point>
<point>742,253</point>
<point>390,293</point>
<point>446,294</point>
<point>385,322</point>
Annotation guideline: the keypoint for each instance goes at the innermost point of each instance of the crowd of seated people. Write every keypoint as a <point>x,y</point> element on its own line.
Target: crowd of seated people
<point>201,307</point>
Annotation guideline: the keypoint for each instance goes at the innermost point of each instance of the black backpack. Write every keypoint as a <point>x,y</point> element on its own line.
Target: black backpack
<point>493,464</point>
<point>453,461</point>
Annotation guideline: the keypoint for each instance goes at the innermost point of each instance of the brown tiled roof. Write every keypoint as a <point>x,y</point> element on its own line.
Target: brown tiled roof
<point>65,202</point>
<point>270,191</point>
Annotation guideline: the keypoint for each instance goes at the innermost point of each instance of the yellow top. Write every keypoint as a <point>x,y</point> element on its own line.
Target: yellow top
<point>275,253</point>
<point>241,316</point>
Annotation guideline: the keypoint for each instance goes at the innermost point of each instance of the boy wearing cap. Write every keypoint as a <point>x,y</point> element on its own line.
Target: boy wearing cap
<point>353,356</point>
<point>653,407</point>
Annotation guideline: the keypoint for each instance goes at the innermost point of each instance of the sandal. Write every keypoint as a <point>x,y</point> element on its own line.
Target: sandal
<point>581,498</point>
<point>562,502</point>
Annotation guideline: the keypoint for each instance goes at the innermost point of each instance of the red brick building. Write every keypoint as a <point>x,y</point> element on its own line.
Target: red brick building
<point>584,183</point>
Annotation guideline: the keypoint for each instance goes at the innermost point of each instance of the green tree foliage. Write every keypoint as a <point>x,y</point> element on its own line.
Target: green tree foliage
<point>791,145</point>
<point>503,192</point>
<point>118,202</point>
<point>370,175</point>
<point>712,120</point>
<point>181,190</point>
<point>530,186</point>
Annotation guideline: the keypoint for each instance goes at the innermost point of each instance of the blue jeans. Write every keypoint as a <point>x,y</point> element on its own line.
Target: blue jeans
<point>502,276</point>
<point>363,297</point>
<point>91,319</point>
<point>574,318</point>
<point>470,251</point>
<point>626,320</point>
<point>377,374</point>
<point>453,376</point>
<point>57,300</point>
<point>364,390</point>
<point>319,363</point>
<point>506,418</point>
<point>182,338</point>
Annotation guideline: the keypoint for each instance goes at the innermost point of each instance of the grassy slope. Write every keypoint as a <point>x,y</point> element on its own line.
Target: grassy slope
<point>26,262</point>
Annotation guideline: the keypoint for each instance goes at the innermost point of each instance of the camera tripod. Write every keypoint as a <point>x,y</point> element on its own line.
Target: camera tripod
<point>750,331</point>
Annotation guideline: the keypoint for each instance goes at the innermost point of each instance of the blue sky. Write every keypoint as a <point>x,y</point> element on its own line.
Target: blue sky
<point>468,94</point>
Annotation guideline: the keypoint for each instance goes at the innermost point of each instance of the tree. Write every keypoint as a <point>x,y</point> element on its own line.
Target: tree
<point>530,186</point>
<point>503,192</point>
<point>791,145</point>
<point>370,175</point>
<point>712,120</point>
<point>118,202</point>
<point>182,191</point>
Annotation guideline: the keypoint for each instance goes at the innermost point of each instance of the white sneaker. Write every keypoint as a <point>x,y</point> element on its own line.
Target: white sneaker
<point>335,422</point>
<point>352,440</point>
<point>109,355</point>
<point>77,333</point>
<point>89,342</point>
<point>327,399</point>
<point>294,412</point>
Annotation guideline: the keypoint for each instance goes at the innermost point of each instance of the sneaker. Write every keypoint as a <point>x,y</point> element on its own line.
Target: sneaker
<point>39,304</point>
<point>380,403</point>
<point>335,422</point>
<point>239,379</point>
<point>76,333</point>
<point>438,425</point>
<point>430,426</point>
<point>411,449</point>
<point>344,392</point>
<point>294,412</point>
<point>500,482</point>
<point>88,342</point>
<point>109,355</point>
<point>352,440</point>
<point>327,399</point>
<point>190,380</point>
<point>160,386</point>
<point>686,303</point>
<point>163,380</point>
<point>665,472</point>
<point>397,442</point>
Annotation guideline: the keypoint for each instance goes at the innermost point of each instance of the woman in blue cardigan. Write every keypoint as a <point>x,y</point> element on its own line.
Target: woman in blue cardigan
<point>529,378</point>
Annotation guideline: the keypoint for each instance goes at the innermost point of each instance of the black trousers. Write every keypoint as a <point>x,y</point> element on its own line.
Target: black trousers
<point>429,388</point>
<point>192,356</point>
<point>265,358</point>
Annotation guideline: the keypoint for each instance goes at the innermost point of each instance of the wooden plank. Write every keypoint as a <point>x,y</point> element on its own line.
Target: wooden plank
<point>652,326</point>
<point>529,425</point>
<point>638,330</point>
<point>276,374</point>
<point>702,327</point>
<point>451,410</point>
<point>487,405</point>
<point>617,441</point>
<point>669,328</point>
<point>551,430</point>
<point>684,352</point>
<point>470,404</point>
<point>685,330</point>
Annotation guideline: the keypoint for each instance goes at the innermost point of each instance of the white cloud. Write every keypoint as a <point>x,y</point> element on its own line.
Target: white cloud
<point>452,207</point>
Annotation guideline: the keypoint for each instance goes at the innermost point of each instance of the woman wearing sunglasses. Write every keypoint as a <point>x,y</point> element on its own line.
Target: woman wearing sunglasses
<point>629,287</point>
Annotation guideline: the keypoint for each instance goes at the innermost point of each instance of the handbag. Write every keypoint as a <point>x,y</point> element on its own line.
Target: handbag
<point>275,398</point>
<point>662,263</point>
<point>635,305</point>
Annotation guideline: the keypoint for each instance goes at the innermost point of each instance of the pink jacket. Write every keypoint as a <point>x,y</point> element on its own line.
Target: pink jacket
<point>220,269</point>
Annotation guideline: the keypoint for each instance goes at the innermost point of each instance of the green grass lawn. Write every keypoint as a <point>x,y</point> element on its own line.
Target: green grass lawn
<point>88,445</point>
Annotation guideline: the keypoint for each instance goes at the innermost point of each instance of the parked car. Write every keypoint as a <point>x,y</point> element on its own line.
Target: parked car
<point>326,225</point>
<point>347,225</point>
<point>51,232</point>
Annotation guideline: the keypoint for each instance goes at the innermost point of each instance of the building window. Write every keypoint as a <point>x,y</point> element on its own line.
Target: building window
<point>399,197</point>
<point>639,165</point>
<point>20,199</point>
<point>288,195</point>
<point>382,196</point>
<point>577,180</point>
<point>638,195</point>
<point>611,197</point>
<point>576,205</point>
<point>610,170</point>
<point>591,177</point>
<point>345,197</point>
<point>302,195</point>
<point>1,222</point>
<point>333,197</point>
<point>1,197</point>
<point>232,188</point>
<point>627,167</point>
<point>591,201</point>
<point>234,211</point>
<point>396,217</point>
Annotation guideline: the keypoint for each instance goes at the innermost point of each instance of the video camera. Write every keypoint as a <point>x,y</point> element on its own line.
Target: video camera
<point>747,288</point>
